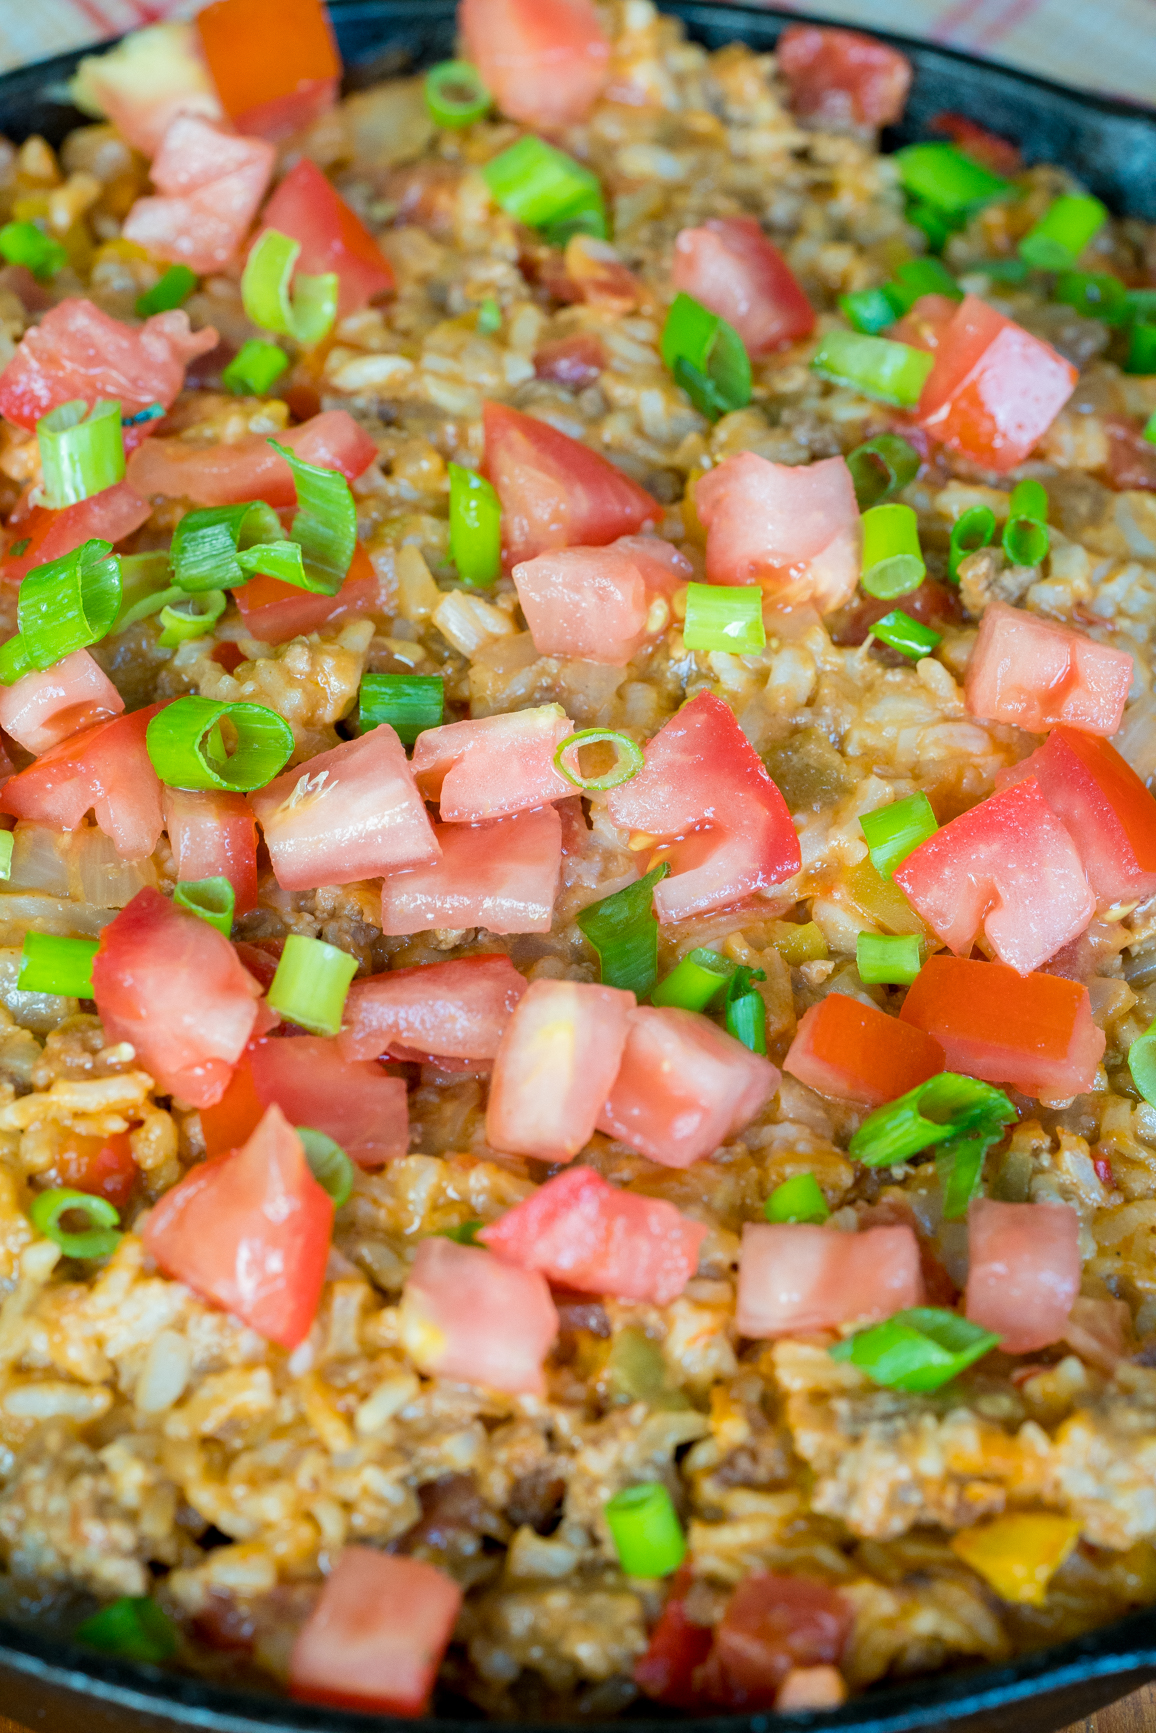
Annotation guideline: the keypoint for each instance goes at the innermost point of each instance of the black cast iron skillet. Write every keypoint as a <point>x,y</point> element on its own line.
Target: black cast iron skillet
<point>56,1687</point>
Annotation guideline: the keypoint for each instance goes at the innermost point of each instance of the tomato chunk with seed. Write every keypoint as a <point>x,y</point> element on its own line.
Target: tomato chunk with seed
<point>856,1052</point>
<point>209,185</point>
<point>595,603</point>
<point>924,323</point>
<point>677,1648</point>
<point>105,769</point>
<point>555,491</point>
<point>1023,1271</point>
<point>308,208</point>
<point>994,389</point>
<point>376,1637</point>
<point>582,1232</point>
<point>111,516</point>
<point>555,1066</point>
<point>545,61</point>
<point>794,529</point>
<point>731,267</point>
<point>214,835</point>
<point>42,709</point>
<point>841,78</point>
<point>1038,674</point>
<point>103,1166</point>
<point>456,1010</point>
<point>502,876</point>
<point>772,1626</point>
<point>251,469</point>
<point>250,1231</point>
<point>274,62</point>
<point>493,766</point>
<point>794,1277</point>
<point>1108,812</point>
<point>469,1315</point>
<point>1035,1031</point>
<point>1006,867</point>
<point>350,1100</point>
<point>683,1087</point>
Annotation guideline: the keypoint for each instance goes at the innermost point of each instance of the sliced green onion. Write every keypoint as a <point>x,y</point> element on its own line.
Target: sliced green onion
<point>886,960</point>
<point>255,368</point>
<point>6,844</point>
<point>972,530</point>
<point>205,546</point>
<point>1142,1063</point>
<point>81,451</point>
<point>69,603</point>
<point>134,1628</point>
<point>695,982</point>
<point>881,468</point>
<point>540,185</point>
<point>455,94</point>
<point>142,577</point>
<point>212,899</point>
<point>893,831</point>
<point>278,559</point>
<point>876,367</point>
<point>910,637</point>
<point>464,1233</point>
<point>936,227</point>
<point>52,964</point>
<point>623,929</point>
<point>628,760</point>
<point>943,177</point>
<point>305,309</point>
<point>475,527</point>
<point>148,605</point>
<point>917,1350</point>
<point>1141,356</point>
<point>918,277</point>
<point>746,1013</point>
<point>187,747</point>
<point>718,618</point>
<point>1095,294</point>
<point>410,703</point>
<point>328,1163</point>
<point>707,357</point>
<point>171,291</point>
<point>893,562</point>
<point>1004,270</point>
<point>14,663</point>
<point>869,310</point>
<point>25,244</point>
<point>325,526</point>
<point>959,1165</point>
<point>1062,233</point>
<point>183,619</point>
<point>646,1531</point>
<point>311,983</point>
<point>797,1200</point>
<point>1025,536</point>
<point>489,317</point>
<point>98,1240</point>
<point>946,1106</point>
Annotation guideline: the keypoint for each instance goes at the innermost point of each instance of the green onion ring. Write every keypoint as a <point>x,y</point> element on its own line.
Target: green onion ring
<point>187,750</point>
<point>628,764</point>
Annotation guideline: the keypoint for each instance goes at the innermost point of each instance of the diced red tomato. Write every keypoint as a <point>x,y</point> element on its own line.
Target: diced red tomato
<point>214,835</point>
<point>352,1101</point>
<point>1035,1031</point>
<point>308,208</point>
<point>994,389</point>
<point>251,469</point>
<point>147,80</point>
<point>794,1278</point>
<point>856,1052</point>
<point>792,529</point>
<point>1107,810</point>
<point>351,813</point>
<point>840,78</point>
<point>210,184</point>
<point>998,154</point>
<point>42,709</point>
<point>595,274</point>
<point>923,325</point>
<point>664,569</point>
<point>1023,1271</point>
<point>103,1166</point>
<point>731,267</point>
<point>110,516</point>
<point>274,62</point>
<point>556,1065</point>
<point>544,60</point>
<point>701,771</point>
<point>675,1651</point>
<point>456,1010</point>
<point>1037,674</point>
<point>249,1230</point>
<point>232,1120</point>
<point>555,491</point>
<point>77,350</point>
<point>772,1627</point>
<point>502,876</point>
<point>595,603</point>
<point>469,1315</point>
<point>584,1233</point>
<point>1006,867</point>
<point>576,361</point>
<point>376,1637</point>
<point>106,769</point>
<point>493,766</point>
<point>274,612</point>
<point>683,1087</point>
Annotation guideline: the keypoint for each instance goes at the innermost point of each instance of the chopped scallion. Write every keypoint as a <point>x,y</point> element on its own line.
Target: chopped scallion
<point>25,244</point>
<point>946,1106</point>
<point>941,176</point>
<point>910,637</point>
<point>169,292</point>
<point>190,617</point>
<point>707,357</point>
<point>255,368</point>
<point>869,310</point>
<point>305,309</point>
<point>328,1163</point>
<point>646,1531</point>
<point>541,186</point>
<point>134,1628</point>
<point>1142,1063</point>
<point>7,841</point>
<point>53,964</point>
<point>325,524</point>
<point>464,1234</point>
<point>893,563</point>
<point>212,899</point>
<point>886,960</point>
<point>142,577</point>
<point>925,276</point>
<point>1025,536</point>
<point>875,366</point>
<point>205,545</point>
<point>881,468</point>
<point>972,530</point>
<point>81,451</point>
<point>475,527</point>
<point>721,618</point>
<point>627,763</point>
<point>97,1240</point>
<point>1062,233</point>
<point>455,94</point>
<point>1004,270</point>
<point>1141,357</point>
<point>410,703</point>
<point>917,1350</point>
<point>746,1013</point>
<point>1150,428</point>
<point>936,227</point>
<point>489,317</point>
<point>959,1164</point>
<point>69,603</point>
<point>1095,294</point>
<point>695,982</point>
<point>893,831</point>
<point>186,744</point>
<point>311,983</point>
<point>623,929</point>
<point>799,1199</point>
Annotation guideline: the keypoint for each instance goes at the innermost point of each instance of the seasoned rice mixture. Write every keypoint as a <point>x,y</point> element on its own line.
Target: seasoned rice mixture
<point>204,1411</point>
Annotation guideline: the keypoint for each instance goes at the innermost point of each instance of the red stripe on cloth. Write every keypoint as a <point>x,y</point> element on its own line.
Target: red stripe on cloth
<point>1015,14</point>
<point>959,24</point>
<point>97,16</point>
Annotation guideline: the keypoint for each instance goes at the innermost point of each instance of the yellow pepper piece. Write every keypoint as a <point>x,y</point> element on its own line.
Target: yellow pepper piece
<point>799,942</point>
<point>1018,1554</point>
<point>880,901</point>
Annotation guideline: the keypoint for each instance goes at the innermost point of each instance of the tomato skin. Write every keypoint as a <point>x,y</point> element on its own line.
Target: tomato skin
<point>456,1010</point>
<point>1037,674</point>
<point>731,267</point>
<point>555,491</point>
<point>210,184</point>
<point>858,1053</point>
<point>107,768</point>
<point>1035,1031</point>
<point>793,529</point>
<point>375,1639</point>
<point>1006,866</point>
<point>103,1166</point>
<point>839,77</point>
<point>994,389</point>
<point>684,1085</point>
<point>544,60</point>
<point>493,766</point>
<point>676,1649</point>
<point>110,516</point>
<point>42,709</point>
<point>1107,810</point>
<point>772,1625</point>
<point>275,63</point>
<point>351,1101</point>
<point>274,612</point>
<point>581,1232</point>
<point>575,361</point>
<point>251,469</point>
<point>467,1314</point>
<point>308,208</point>
<point>1023,1271</point>
<point>250,1231</point>
<point>214,835</point>
<point>924,323</point>
<point>794,1278</point>
<point>555,1066</point>
<point>503,876</point>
